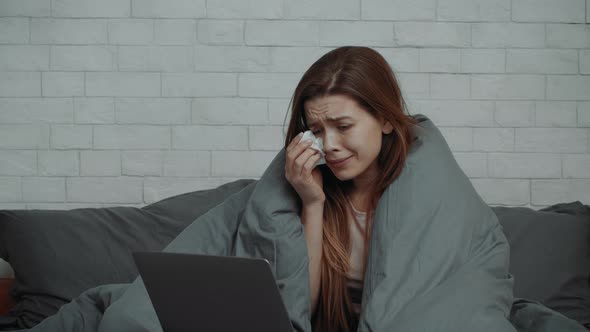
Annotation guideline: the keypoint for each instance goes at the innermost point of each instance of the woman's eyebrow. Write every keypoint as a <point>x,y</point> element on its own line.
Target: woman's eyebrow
<point>332,119</point>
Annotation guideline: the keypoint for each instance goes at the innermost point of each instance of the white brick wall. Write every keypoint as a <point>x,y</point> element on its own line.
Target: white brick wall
<point>126,102</point>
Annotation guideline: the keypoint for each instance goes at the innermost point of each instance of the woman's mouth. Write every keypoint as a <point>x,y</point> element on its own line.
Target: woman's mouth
<point>338,163</point>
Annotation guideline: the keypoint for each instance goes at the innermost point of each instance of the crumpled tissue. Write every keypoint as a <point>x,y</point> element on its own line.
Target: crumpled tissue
<point>318,144</point>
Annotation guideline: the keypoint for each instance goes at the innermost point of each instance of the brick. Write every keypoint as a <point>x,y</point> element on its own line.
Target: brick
<point>458,138</point>
<point>24,58</point>
<point>524,165</point>
<point>527,35</point>
<point>473,11</point>
<point>548,192</point>
<point>584,57</point>
<point>20,84</point>
<point>209,138</point>
<point>432,34</point>
<point>439,60</point>
<point>105,190</point>
<point>94,110</point>
<point>474,165</point>
<point>44,189</point>
<point>32,8</point>
<point>36,110</point>
<point>89,8</point>
<point>514,114</point>
<point>199,85</point>
<point>83,58</point>
<point>131,31</point>
<point>221,32</point>
<point>11,206</point>
<point>458,113</point>
<point>266,137</point>
<point>584,114</point>
<point>122,84</point>
<point>508,87</point>
<point>132,137</point>
<point>281,33</point>
<point>343,33</point>
<point>142,163</point>
<point>568,36</point>
<point>503,191</point>
<point>398,10</point>
<point>187,163</point>
<point>24,136</point>
<point>175,32</point>
<point>414,85</point>
<point>156,189</point>
<point>62,84</point>
<point>493,139</point>
<point>546,61</point>
<point>269,9</point>
<point>568,11</point>
<point>576,165</point>
<point>231,59</point>
<point>555,114</point>
<point>18,162</point>
<point>449,86</point>
<point>401,59</point>
<point>556,140</point>
<point>100,163</point>
<point>169,8</point>
<point>251,163</point>
<point>229,111</point>
<point>483,60</point>
<point>279,111</point>
<point>62,206</point>
<point>322,10</point>
<point>68,31</point>
<point>10,189</point>
<point>153,111</point>
<point>14,30</point>
<point>58,163</point>
<point>274,85</point>
<point>568,87</point>
<point>294,59</point>
<point>155,58</point>
<point>71,137</point>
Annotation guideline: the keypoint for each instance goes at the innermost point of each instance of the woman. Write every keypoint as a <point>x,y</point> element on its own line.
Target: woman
<point>350,99</point>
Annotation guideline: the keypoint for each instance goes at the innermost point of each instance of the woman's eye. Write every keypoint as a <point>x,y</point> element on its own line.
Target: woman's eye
<point>315,132</point>
<point>344,127</point>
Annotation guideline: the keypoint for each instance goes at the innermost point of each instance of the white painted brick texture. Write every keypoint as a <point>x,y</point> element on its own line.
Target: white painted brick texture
<point>126,102</point>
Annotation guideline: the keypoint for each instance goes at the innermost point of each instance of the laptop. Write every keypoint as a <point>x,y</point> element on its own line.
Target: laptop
<point>212,293</point>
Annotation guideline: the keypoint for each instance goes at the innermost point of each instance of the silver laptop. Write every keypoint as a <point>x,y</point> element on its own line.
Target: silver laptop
<point>212,293</point>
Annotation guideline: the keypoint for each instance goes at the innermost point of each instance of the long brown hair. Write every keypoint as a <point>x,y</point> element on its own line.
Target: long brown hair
<point>364,75</point>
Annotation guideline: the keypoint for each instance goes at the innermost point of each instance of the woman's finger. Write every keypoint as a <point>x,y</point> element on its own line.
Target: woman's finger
<point>302,159</point>
<point>310,163</point>
<point>297,150</point>
<point>294,142</point>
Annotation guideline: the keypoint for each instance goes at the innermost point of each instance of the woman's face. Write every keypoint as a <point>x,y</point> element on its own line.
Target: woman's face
<point>351,135</point>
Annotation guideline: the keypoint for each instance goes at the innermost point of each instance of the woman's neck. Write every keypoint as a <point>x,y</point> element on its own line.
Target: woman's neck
<point>359,200</point>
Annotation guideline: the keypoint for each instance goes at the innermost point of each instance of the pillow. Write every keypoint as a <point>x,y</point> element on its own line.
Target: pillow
<point>58,254</point>
<point>550,256</point>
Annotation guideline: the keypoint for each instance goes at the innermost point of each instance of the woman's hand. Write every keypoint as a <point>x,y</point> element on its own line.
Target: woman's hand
<point>300,171</point>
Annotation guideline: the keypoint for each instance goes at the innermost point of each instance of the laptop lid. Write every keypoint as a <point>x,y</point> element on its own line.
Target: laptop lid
<point>192,292</point>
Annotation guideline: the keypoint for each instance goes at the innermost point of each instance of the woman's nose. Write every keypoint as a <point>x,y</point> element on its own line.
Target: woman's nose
<point>330,141</point>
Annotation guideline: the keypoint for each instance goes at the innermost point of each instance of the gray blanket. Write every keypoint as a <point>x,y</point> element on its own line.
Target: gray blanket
<point>438,259</point>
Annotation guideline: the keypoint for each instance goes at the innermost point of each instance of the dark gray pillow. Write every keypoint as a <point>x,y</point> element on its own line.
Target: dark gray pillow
<point>58,254</point>
<point>550,256</point>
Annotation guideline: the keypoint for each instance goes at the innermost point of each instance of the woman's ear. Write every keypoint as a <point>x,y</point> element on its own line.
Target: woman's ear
<point>387,128</point>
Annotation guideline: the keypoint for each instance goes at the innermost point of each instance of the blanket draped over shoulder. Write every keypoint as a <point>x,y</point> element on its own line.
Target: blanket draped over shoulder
<point>438,259</point>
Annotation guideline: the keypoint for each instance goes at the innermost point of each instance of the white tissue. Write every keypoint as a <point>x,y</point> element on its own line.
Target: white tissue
<point>318,144</point>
